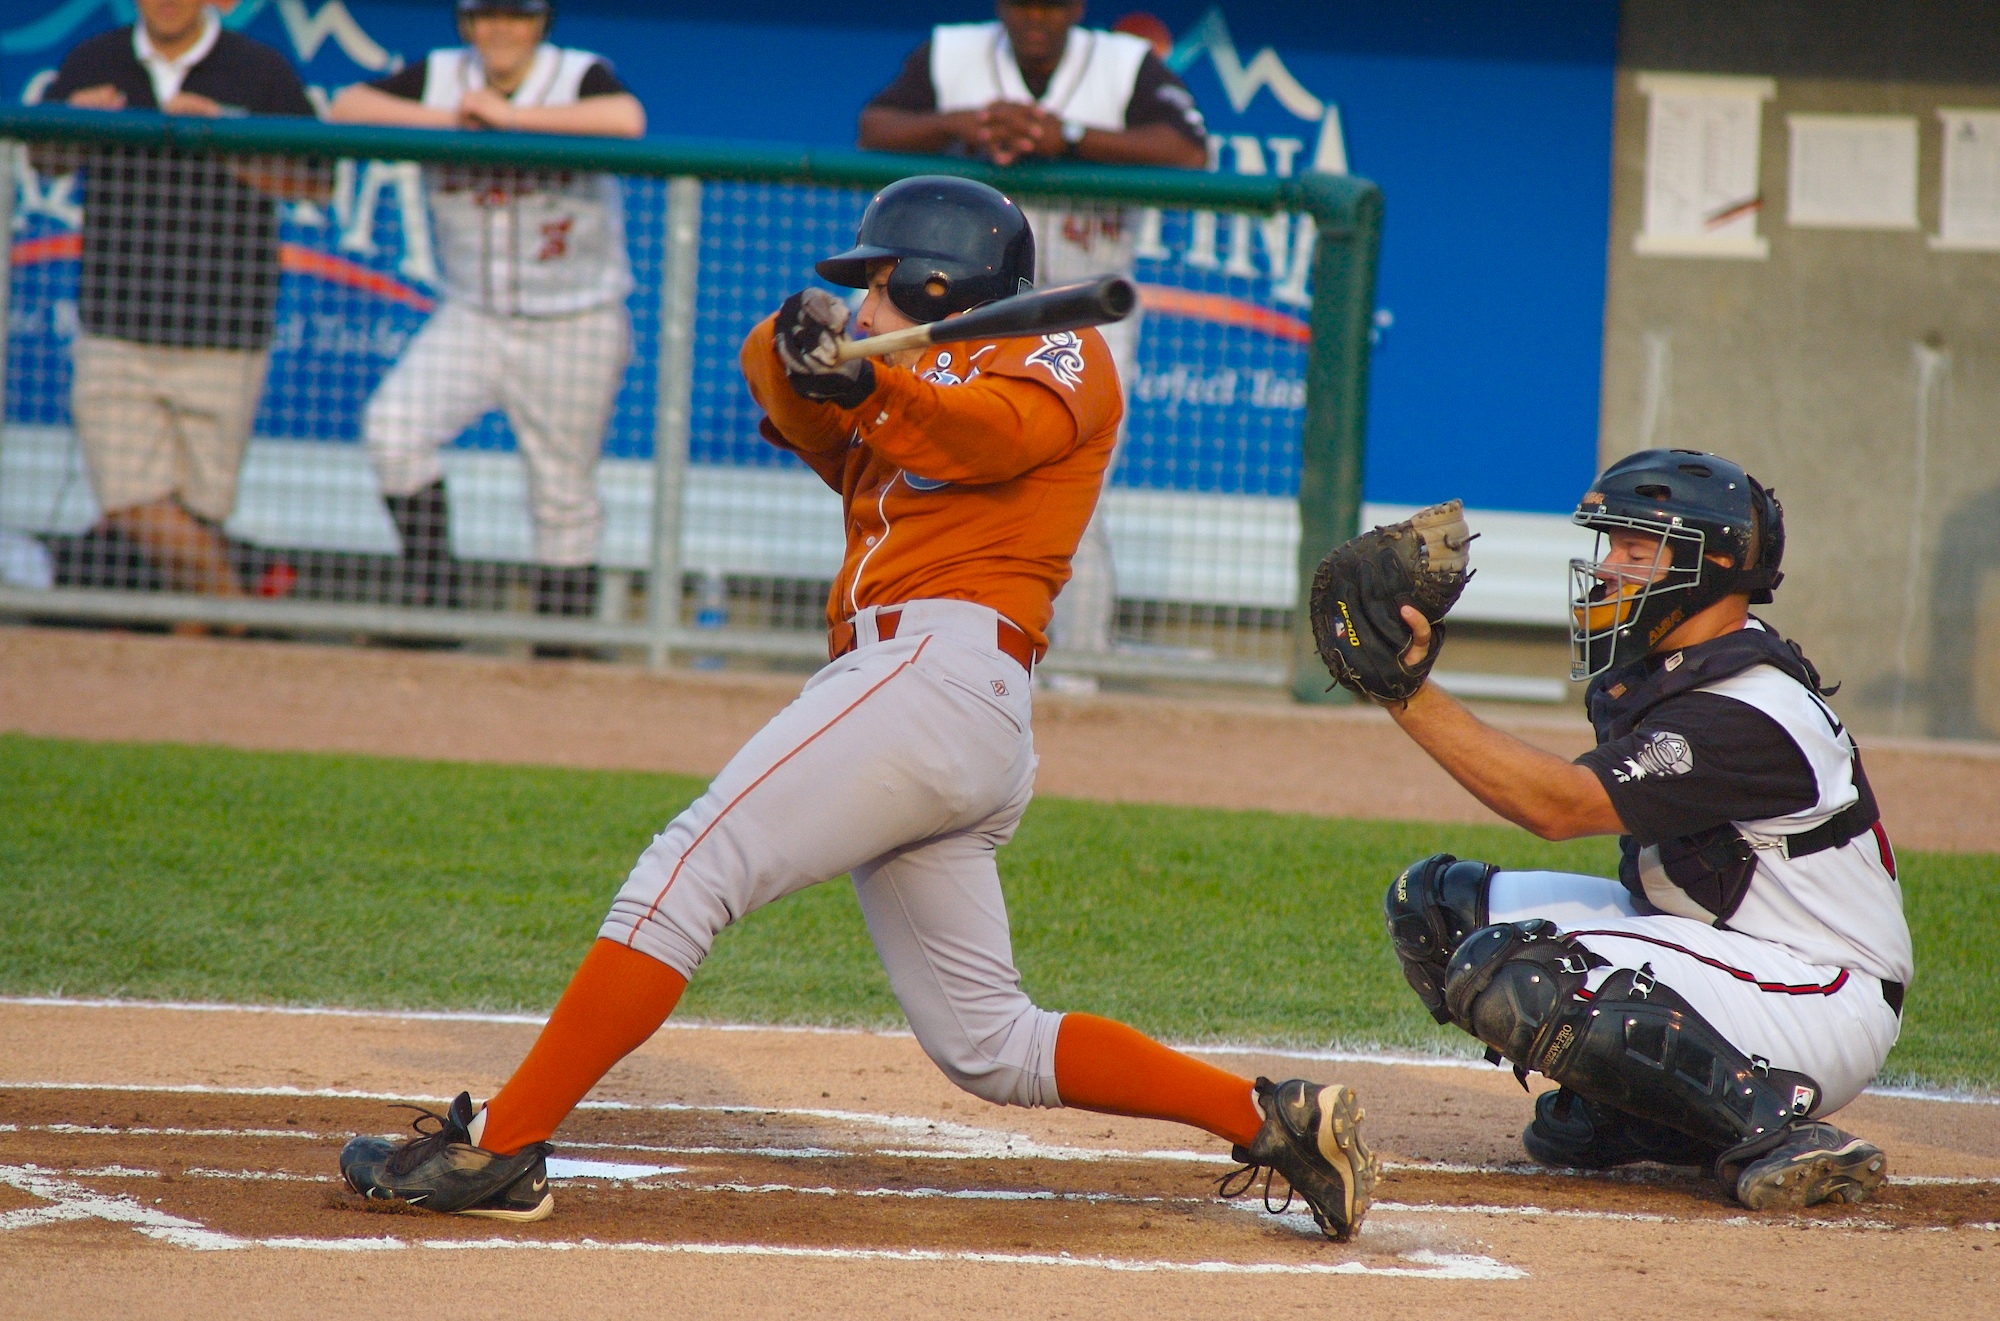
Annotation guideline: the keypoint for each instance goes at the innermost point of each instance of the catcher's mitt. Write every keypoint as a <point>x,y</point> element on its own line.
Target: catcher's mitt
<point>1361,586</point>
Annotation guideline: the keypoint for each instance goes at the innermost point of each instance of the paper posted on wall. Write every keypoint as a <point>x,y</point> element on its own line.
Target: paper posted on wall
<point>1969,202</point>
<point>1853,171</point>
<point>1702,144</point>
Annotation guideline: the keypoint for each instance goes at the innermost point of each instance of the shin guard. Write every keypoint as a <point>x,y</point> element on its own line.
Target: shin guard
<point>1634,1044</point>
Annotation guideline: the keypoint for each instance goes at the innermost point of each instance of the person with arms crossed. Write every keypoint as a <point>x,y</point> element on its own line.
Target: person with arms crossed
<point>533,319</point>
<point>177,290</point>
<point>1743,977</point>
<point>966,474</point>
<point>1035,85</point>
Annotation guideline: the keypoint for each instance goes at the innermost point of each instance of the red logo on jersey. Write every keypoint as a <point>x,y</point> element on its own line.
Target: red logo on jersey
<point>1083,230</point>
<point>555,239</point>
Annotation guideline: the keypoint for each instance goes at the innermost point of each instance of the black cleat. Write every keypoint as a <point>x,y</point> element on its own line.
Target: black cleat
<point>1571,1133</point>
<point>440,1170</point>
<point>1312,1137</point>
<point>1815,1163</point>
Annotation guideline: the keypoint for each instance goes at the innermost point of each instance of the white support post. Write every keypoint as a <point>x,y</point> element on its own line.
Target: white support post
<point>672,414</point>
<point>9,182</point>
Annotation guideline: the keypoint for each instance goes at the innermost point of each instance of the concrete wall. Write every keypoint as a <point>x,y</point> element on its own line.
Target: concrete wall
<point>1857,371</point>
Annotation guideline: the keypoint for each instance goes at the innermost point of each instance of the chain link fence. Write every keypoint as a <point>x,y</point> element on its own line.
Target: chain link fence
<point>325,379</point>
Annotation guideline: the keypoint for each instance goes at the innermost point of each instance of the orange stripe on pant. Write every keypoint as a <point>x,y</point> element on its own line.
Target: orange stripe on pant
<point>771,770</point>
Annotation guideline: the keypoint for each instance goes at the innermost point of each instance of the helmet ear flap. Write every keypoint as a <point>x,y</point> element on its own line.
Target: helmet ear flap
<point>922,290</point>
<point>1767,543</point>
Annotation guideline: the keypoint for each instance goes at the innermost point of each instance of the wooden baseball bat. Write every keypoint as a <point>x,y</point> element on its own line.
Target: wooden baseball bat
<point>1038,312</point>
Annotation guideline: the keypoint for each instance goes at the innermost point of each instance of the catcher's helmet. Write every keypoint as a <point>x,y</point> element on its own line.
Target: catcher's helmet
<point>959,244</point>
<point>1699,505</point>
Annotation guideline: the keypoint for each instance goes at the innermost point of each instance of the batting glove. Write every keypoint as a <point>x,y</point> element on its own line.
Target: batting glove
<point>808,338</point>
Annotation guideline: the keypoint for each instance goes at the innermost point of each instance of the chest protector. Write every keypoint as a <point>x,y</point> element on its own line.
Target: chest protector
<point>1714,867</point>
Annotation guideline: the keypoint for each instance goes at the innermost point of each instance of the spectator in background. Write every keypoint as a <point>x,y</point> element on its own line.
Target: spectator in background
<point>178,289</point>
<point>1035,86</point>
<point>535,277</point>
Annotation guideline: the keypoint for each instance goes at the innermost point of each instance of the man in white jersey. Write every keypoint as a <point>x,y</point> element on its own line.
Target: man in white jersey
<point>1035,85</point>
<point>1744,975</point>
<point>533,319</point>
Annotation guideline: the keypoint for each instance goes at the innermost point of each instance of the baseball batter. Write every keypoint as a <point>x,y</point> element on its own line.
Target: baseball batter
<point>533,319</point>
<point>1035,84</point>
<point>1744,975</point>
<point>966,477</point>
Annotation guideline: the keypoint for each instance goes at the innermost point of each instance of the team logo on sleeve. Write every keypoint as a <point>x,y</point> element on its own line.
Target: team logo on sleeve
<point>1062,355</point>
<point>940,372</point>
<point>1665,753</point>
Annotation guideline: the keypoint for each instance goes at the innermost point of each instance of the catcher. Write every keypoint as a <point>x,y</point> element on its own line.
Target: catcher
<point>1744,975</point>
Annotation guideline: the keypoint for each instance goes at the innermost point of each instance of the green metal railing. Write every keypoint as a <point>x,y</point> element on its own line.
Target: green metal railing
<point>1346,211</point>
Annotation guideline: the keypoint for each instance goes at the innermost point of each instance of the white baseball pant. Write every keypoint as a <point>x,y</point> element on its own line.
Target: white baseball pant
<point>555,377</point>
<point>1829,1023</point>
<point>905,763</point>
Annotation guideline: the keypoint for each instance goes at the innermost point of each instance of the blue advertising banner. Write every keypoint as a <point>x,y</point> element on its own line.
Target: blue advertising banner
<point>1488,128</point>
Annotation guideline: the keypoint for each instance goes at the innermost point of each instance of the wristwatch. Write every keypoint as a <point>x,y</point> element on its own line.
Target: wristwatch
<point>1072,133</point>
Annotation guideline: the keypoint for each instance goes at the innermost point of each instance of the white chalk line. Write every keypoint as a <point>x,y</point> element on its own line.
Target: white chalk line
<point>643,1178</point>
<point>1423,1264</point>
<point>973,1143</point>
<point>71,1202</point>
<point>934,1139</point>
<point>1328,1056</point>
<point>559,1169</point>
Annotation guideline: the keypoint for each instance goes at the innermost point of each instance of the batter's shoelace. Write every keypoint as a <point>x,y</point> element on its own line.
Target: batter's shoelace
<point>419,1149</point>
<point>1248,1173</point>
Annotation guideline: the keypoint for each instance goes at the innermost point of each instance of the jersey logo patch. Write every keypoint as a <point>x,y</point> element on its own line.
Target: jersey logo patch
<point>940,373</point>
<point>916,483</point>
<point>555,239</point>
<point>1665,753</point>
<point>1062,354</point>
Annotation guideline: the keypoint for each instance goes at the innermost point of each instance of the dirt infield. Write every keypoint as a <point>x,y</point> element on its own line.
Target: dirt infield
<point>157,1160</point>
<point>1220,753</point>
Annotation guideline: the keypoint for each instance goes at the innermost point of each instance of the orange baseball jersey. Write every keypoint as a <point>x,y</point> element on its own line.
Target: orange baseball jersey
<point>968,477</point>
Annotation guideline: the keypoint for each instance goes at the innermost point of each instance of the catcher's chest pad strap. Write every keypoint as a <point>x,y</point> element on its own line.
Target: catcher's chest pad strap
<point>1510,983</point>
<point>1619,700</point>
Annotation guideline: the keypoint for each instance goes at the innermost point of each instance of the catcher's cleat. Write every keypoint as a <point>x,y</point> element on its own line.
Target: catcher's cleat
<point>1574,1134</point>
<point>1312,1137</point>
<point>440,1170</point>
<point>1815,1163</point>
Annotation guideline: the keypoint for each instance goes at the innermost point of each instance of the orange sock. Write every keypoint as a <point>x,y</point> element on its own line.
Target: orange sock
<point>618,998</point>
<point>1117,1070</point>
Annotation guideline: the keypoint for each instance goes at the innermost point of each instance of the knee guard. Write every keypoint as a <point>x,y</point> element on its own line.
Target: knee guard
<point>1634,1045</point>
<point>1432,907</point>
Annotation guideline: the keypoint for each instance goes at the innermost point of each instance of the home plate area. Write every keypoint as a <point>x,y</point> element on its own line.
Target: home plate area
<point>212,1168</point>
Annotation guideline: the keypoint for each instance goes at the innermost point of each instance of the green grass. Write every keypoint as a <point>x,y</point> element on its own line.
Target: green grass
<point>169,872</point>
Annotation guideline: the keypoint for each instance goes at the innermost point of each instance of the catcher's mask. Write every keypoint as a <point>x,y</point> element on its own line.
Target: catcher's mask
<point>957,244</point>
<point>1696,505</point>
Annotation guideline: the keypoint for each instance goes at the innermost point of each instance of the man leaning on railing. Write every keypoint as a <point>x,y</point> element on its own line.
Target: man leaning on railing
<point>178,288</point>
<point>535,278</point>
<point>1036,85</point>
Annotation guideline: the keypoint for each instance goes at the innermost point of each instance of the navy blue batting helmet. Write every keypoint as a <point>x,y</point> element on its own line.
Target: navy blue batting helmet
<point>957,243</point>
